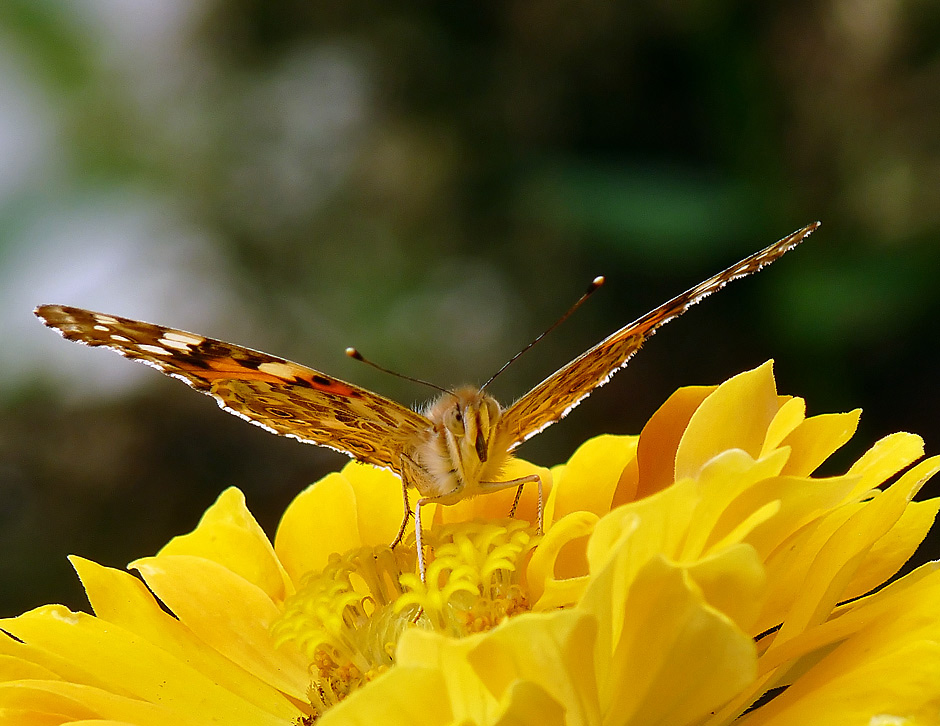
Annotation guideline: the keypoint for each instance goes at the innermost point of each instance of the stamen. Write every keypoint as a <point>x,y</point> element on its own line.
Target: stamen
<point>348,617</point>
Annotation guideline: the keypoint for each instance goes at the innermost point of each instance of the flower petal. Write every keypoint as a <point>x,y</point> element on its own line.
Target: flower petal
<point>229,535</point>
<point>380,504</point>
<point>788,417</point>
<point>592,474</point>
<point>656,449</point>
<point>663,655</point>
<point>138,676</point>
<point>886,458</point>
<point>122,599</point>
<point>735,416</point>
<point>551,651</point>
<point>558,571</point>
<point>816,438</point>
<point>404,696</point>
<point>890,667</point>
<point>201,592</point>
<point>322,519</point>
<point>837,562</point>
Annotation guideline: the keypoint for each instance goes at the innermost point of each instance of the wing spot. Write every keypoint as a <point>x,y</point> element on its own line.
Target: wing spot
<point>104,319</point>
<point>175,344</point>
<point>178,336</point>
<point>102,328</point>
<point>279,412</point>
<point>120,338</point>
<point>153,349</point>
<point>285,371</point>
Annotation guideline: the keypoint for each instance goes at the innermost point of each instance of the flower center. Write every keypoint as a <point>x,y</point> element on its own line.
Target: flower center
<point>348,617</point>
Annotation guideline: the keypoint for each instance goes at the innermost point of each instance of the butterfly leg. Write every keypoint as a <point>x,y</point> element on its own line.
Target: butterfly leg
<point>404,521</point>
<point>496,486</point>
<point>419,544</point>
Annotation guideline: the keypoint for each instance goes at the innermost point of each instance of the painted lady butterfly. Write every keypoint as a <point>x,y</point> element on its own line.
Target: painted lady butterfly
<point>454,448</point>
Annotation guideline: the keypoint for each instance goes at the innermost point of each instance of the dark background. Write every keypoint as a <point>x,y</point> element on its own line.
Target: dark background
<point>435,183</point>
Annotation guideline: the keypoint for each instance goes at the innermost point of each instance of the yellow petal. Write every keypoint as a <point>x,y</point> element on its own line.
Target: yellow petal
<point>852,617</point>
<point>886,458</point>
<point>656,524</point>
<point>656,449</point>
<point>788,417</point>
<point>404,696</point>
<point>322,519</point>
<point>733,582</point>
<point>17,669</point>
<point>735,416</point>
<point>201,593</point>
<point>816,438</point>
<point>664,655</point>
<point>380,504</point>
<point>895,548</point>
<point>470,701</point>
<point>839,559</point>
<point>229,535</point>
<point>554,652</point>
<point>133,672</point>
<point>726,502</point>
<point>122,599</point>
<point>528,704</point>
<point>558,571</point>
<point>802,500</point>
<point>592,475</point>
<point>890,666</point>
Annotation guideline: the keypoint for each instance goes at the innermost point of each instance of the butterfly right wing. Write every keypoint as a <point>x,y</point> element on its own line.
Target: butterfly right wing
<point>554,397</point>
<point>278,395</point>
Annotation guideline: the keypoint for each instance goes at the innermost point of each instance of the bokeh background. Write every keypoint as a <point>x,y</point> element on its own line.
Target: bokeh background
<point>435,183</point>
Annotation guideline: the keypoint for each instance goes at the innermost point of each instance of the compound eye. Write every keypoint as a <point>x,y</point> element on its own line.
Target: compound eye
<point>454,421</point>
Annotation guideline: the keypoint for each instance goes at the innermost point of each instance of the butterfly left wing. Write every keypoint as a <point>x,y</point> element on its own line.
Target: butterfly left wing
<point>554,397</point>
<point>280,396</point>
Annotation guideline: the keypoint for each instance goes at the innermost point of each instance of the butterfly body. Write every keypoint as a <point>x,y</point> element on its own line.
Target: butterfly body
<point>465,448</point>
<point>454,448</point>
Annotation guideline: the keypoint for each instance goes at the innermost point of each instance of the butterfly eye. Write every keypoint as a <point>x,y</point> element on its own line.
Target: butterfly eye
<point>454,421</point>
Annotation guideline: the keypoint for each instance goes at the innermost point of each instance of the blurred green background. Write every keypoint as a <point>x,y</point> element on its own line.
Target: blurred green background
<point>435,183</point>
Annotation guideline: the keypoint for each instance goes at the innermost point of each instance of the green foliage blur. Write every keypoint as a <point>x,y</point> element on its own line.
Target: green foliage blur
<point>435,183</point>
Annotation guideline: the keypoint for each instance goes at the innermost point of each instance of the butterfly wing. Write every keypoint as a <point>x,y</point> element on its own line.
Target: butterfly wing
<point>554,397</point>
<point>276,394</point>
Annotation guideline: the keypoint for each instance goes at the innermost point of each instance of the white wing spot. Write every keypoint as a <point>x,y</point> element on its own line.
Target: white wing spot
<point>105,319</point>
<point>175,344</point>
<point>281,370</point>
<point>178,336</point>
<point>155,350</point>
<point>102,328</point>
<point>120,338</point>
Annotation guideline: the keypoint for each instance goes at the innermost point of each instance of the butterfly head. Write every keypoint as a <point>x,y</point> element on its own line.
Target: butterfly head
<point>465,447</point>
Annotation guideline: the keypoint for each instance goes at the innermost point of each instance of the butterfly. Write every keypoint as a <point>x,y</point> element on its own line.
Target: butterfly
<point>454,448</point>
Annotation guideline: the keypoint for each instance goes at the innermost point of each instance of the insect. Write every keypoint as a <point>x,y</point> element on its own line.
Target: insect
<point>455,447</point>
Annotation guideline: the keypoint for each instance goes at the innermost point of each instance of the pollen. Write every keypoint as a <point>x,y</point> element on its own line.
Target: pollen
<point>347,619</point>
<point>474,581</point>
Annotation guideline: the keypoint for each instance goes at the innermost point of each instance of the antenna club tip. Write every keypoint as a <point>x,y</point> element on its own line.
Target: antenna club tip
<point>597,282</point>
<point>353,353</point>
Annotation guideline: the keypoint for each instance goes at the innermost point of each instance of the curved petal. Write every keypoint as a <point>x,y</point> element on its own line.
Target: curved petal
<point>735,416</point>
<point>201,592</point>
<point>228,534</point>
<point>320,520</point>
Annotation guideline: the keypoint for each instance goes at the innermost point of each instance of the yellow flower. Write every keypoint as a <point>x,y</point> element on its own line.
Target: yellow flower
<point>695,574</point>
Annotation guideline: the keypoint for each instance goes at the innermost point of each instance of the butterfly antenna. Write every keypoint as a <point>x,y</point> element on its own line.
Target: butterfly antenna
<point>356,355</point>
<point>592,288</point>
